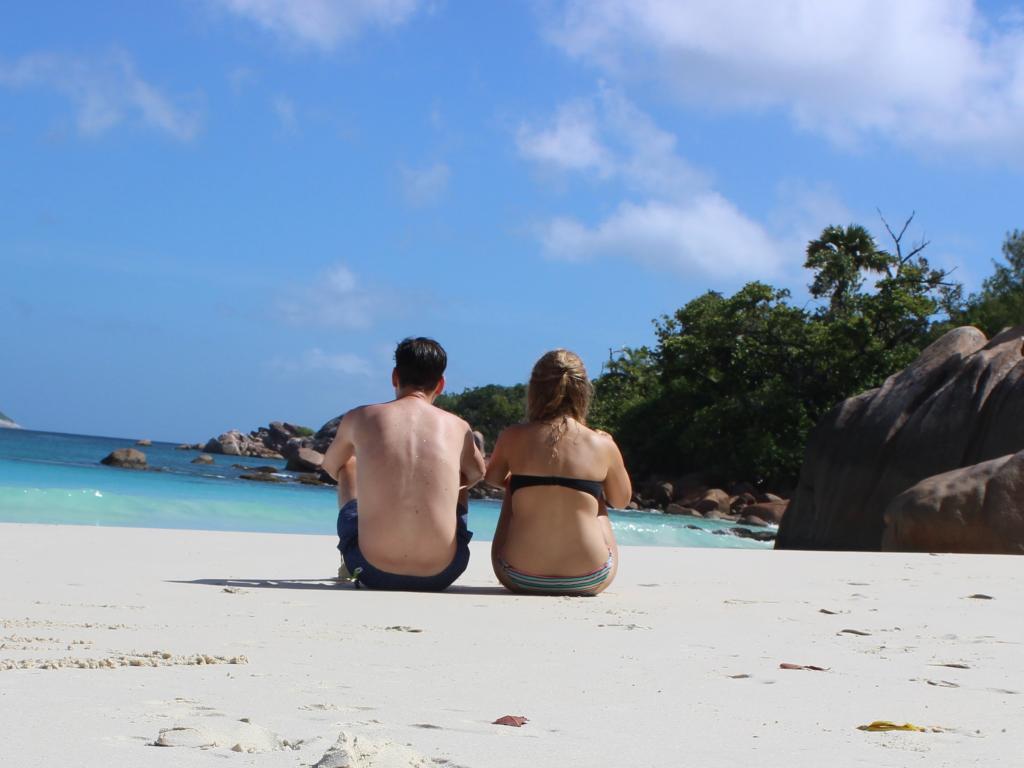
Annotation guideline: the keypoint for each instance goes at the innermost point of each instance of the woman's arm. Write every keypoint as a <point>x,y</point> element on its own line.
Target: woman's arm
<point>497,475</point>
<point>500,537</point>
<point>613,547</point>
<point>617,487</point>
<point>497,464</point>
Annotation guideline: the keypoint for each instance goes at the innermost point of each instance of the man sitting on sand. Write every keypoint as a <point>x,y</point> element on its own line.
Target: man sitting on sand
<point>409,464</point>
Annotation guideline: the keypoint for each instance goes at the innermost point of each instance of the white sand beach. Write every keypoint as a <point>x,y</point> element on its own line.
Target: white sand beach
<point>678,664</point>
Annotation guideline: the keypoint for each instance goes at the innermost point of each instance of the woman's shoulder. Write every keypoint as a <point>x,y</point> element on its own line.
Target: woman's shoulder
<point>514,430</point>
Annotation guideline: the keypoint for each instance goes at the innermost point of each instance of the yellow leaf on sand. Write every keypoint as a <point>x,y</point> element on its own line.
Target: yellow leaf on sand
<point>885,725</point>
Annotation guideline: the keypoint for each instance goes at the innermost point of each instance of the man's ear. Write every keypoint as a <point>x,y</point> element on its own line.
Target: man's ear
<point>394,377</point>
<point>440,387</point>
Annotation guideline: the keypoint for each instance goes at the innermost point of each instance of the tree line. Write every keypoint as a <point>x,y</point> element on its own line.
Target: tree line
<point>732,385</point>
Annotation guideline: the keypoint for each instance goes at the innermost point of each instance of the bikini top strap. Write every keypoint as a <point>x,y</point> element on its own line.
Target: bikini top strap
<point>593,487</point>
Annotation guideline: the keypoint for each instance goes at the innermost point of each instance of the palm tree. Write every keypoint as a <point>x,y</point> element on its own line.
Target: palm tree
<point>840,256</point>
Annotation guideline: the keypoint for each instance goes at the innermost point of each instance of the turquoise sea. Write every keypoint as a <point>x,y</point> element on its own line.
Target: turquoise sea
<point>56,478</point>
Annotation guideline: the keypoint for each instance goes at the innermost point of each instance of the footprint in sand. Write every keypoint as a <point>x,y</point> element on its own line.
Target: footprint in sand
<point>240,736</point>
<point>351,751</point>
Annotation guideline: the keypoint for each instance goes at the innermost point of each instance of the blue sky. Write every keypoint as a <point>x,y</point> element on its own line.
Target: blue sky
<point>216,213</point>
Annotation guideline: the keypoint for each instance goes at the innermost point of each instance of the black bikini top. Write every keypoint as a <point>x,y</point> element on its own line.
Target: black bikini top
<point>594,487</point>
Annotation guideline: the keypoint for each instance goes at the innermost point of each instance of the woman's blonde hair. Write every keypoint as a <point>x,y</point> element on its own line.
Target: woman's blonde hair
<point>559,389</point>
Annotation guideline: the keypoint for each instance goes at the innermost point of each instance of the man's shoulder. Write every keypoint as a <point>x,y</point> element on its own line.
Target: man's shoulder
<point>450,418</point>
<point>355,413</point>
<point>358,415</point>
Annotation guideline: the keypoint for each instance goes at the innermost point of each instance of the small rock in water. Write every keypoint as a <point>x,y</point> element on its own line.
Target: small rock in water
<point>126,458</point>
<point>746,533</point>
<point>261,477</point>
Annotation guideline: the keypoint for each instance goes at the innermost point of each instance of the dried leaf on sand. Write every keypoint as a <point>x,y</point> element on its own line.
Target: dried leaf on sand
<point>811,667</point>
<point>516,721</point>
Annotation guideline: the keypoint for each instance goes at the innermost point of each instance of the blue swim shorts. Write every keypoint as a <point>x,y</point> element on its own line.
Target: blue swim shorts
<point>374,578</point>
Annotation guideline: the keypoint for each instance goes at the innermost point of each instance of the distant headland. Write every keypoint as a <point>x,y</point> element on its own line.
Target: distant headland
<point>6,422</point>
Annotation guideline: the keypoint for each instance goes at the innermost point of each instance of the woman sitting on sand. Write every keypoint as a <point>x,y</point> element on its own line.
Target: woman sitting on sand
<point>560,476</point>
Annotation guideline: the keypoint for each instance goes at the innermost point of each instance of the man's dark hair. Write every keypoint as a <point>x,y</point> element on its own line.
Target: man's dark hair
<point>420,363</point>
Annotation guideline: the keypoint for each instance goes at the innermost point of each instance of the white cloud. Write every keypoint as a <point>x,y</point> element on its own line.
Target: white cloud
<point>609,138</point>
<point>931,72</point>
<point>316,359</point>
<point>705,234</point>
<point>570,143</point>
<point>334,300</point>
<point>682,225</point>
<point>105,92</point>
<point>322,24</point>
<point>425,186</point>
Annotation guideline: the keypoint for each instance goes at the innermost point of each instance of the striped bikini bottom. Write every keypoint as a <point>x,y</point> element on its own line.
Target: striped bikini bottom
<point>559,585</point>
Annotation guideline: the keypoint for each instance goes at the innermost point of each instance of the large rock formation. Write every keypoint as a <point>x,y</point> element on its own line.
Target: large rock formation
<point>301,458</point>
<point>959,404</point>
<point>234,443</point>
<point>325,435</point>
<point>272,441</point>
<point>979,508</point>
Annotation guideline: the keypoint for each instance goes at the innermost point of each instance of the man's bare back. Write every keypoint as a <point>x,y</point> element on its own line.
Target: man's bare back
<point>406,462</point>
<point>409,458</point>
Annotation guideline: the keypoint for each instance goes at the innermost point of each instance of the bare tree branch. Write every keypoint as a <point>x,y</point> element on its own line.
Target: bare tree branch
<point>916,250</point>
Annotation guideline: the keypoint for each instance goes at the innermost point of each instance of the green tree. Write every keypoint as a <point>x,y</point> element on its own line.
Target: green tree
<point>742,379</point>
<point>625,382</point>
<point>840,257</point>
<point>489,409</point>
<point>863,336</point>
<point>725,402</point>
<point>1000,303</point>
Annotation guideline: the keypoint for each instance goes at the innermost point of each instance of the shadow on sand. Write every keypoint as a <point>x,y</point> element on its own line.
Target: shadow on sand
<point>326,583</point>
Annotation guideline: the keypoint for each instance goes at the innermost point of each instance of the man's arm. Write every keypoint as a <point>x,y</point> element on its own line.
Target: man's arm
<point>471,463</point>
<point>342,448</point>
